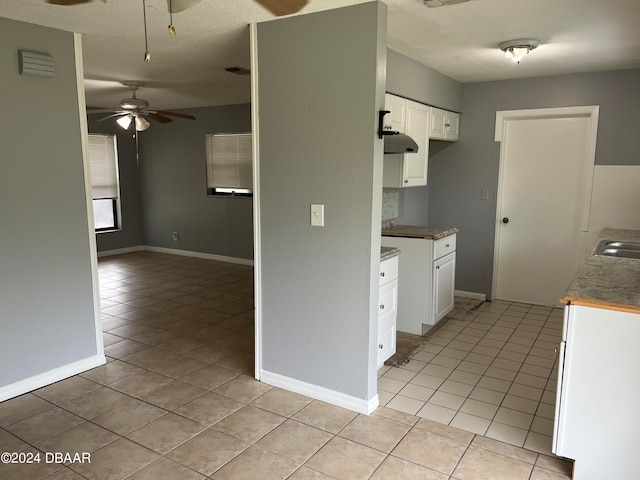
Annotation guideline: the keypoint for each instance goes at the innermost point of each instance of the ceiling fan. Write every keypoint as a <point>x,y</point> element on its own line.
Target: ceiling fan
<point>277,7</point>
<point>136,110</point>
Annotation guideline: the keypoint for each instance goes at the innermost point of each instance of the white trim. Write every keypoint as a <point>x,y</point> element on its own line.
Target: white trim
<point>502,118</point>
<point>205,256</point>
<point>502,115</point>
<point>175,251</point>
<point>120,251</point>
<point>257,244</point>
<point>86,164</point>
<point>47,378</point>
<point>472,295</point>
<point>320,393</point>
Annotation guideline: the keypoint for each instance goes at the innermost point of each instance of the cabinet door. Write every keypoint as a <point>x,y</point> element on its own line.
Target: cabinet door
<point>414,170</point>
<point>444,274</point>
<point>437,129</point>
<point>386,342</point>
<point>395,121</point>
<point>452,125</point>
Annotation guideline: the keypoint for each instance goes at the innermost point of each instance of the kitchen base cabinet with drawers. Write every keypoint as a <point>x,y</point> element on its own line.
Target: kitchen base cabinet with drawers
<point>388,300</point>
<point>427,267</point>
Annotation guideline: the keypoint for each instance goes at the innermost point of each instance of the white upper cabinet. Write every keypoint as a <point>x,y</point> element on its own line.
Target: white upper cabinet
<point>444,125</point>
<point>412,118</point>
<point>396,119</point>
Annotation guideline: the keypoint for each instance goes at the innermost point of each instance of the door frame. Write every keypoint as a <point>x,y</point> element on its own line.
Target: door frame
<point>502,118</point>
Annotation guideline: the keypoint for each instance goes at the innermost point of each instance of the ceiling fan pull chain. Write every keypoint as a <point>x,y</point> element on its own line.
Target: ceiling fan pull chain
<point>172,29</point>
<point>147,55</point>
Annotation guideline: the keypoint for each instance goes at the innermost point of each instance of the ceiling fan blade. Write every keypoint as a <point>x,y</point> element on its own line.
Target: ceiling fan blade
<point>176,6</point>
<point>158,118</point>
<point>100,110</point>
<point>67,2</point>
<point>283,7</point>
<point>176,114</point>
<point>117,114</point>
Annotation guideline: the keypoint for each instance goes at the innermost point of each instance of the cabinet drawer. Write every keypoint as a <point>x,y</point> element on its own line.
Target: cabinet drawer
<point>386,342</point>
<point>444,246</point>
<point>388,301</point>
<point>388,270</point>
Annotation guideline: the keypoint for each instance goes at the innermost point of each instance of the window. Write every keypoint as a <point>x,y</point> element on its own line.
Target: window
<point>229,164</point>
<point>104,182</point>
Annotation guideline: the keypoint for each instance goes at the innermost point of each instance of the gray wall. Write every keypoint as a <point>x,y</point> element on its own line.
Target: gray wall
<point>130,203</point>
<point>46,300</point>
<point>320,89</point>
<point>458,172</point>
<point>167,193</point>
<point>410,79</point>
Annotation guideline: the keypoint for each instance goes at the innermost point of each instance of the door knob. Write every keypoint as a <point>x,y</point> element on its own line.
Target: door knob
<point>505,220</point>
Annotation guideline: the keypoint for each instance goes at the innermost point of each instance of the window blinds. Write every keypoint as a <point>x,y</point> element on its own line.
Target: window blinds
<point>102,158</point>
<point>229,160</point>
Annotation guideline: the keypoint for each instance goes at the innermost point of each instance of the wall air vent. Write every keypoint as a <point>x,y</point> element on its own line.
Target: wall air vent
<point>36,64</point>
<point>441,3</point>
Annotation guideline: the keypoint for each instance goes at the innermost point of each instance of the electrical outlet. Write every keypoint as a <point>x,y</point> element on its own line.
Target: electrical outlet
<point>174,236</point>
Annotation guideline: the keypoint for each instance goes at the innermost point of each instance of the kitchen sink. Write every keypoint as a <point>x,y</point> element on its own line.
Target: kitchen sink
<point>613,248</point>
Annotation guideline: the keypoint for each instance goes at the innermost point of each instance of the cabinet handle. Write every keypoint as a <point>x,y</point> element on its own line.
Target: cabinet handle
<point>406,181</point>
<point>447,245</point>
<point>382,274</point>
<point>381,307</point>
<point>380,346</point>
<point>447,125</point>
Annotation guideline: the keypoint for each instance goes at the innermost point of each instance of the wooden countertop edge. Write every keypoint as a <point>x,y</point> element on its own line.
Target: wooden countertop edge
<point>585,302</point>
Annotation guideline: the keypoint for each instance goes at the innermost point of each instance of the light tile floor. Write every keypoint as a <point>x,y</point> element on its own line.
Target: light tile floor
<point>177,401</point>
<point>490,369</point>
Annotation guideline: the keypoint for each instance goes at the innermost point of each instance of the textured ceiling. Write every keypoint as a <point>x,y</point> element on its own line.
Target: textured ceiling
<point>458,40</point>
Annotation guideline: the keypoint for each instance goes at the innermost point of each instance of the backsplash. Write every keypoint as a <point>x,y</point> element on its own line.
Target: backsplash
<point>390,202</point>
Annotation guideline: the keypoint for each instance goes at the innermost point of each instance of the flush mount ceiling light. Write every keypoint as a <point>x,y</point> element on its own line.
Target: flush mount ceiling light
<point>516,49</point>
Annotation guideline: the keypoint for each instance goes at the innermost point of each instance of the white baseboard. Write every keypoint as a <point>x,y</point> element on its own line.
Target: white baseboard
<point>120,251</point>
<point>473,295</point>
<point>175,251</point>
<point>320,393</point>
<point>206,256</point>
<point>51,376</point>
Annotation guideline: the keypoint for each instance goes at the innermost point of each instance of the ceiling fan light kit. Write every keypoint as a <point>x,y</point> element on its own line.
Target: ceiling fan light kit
<point>518,48</point>
<point>136,110</point>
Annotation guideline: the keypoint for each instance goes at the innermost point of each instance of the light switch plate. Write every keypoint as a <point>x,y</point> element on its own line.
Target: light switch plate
<point>317,215</point>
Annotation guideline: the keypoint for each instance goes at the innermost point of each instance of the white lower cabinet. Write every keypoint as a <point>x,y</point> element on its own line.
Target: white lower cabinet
<point>428,280</point>
<point>388,309</point>
<point>598,393</point>
<point>444,277</point>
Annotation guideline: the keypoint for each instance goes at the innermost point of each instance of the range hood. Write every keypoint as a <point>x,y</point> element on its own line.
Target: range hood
<point>399,143</point>
<point>395,142</point>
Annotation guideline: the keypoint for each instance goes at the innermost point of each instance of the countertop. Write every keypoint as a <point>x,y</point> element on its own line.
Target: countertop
<point>388,252</point>
<point>429,233</point>
<point>608,282</point>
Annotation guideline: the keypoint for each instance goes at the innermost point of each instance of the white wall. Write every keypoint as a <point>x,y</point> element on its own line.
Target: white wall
<point>615,201</point>
<point>47,319</point>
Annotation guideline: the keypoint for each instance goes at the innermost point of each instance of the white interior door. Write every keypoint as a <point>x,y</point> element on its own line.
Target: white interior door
<point>546,165</point>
